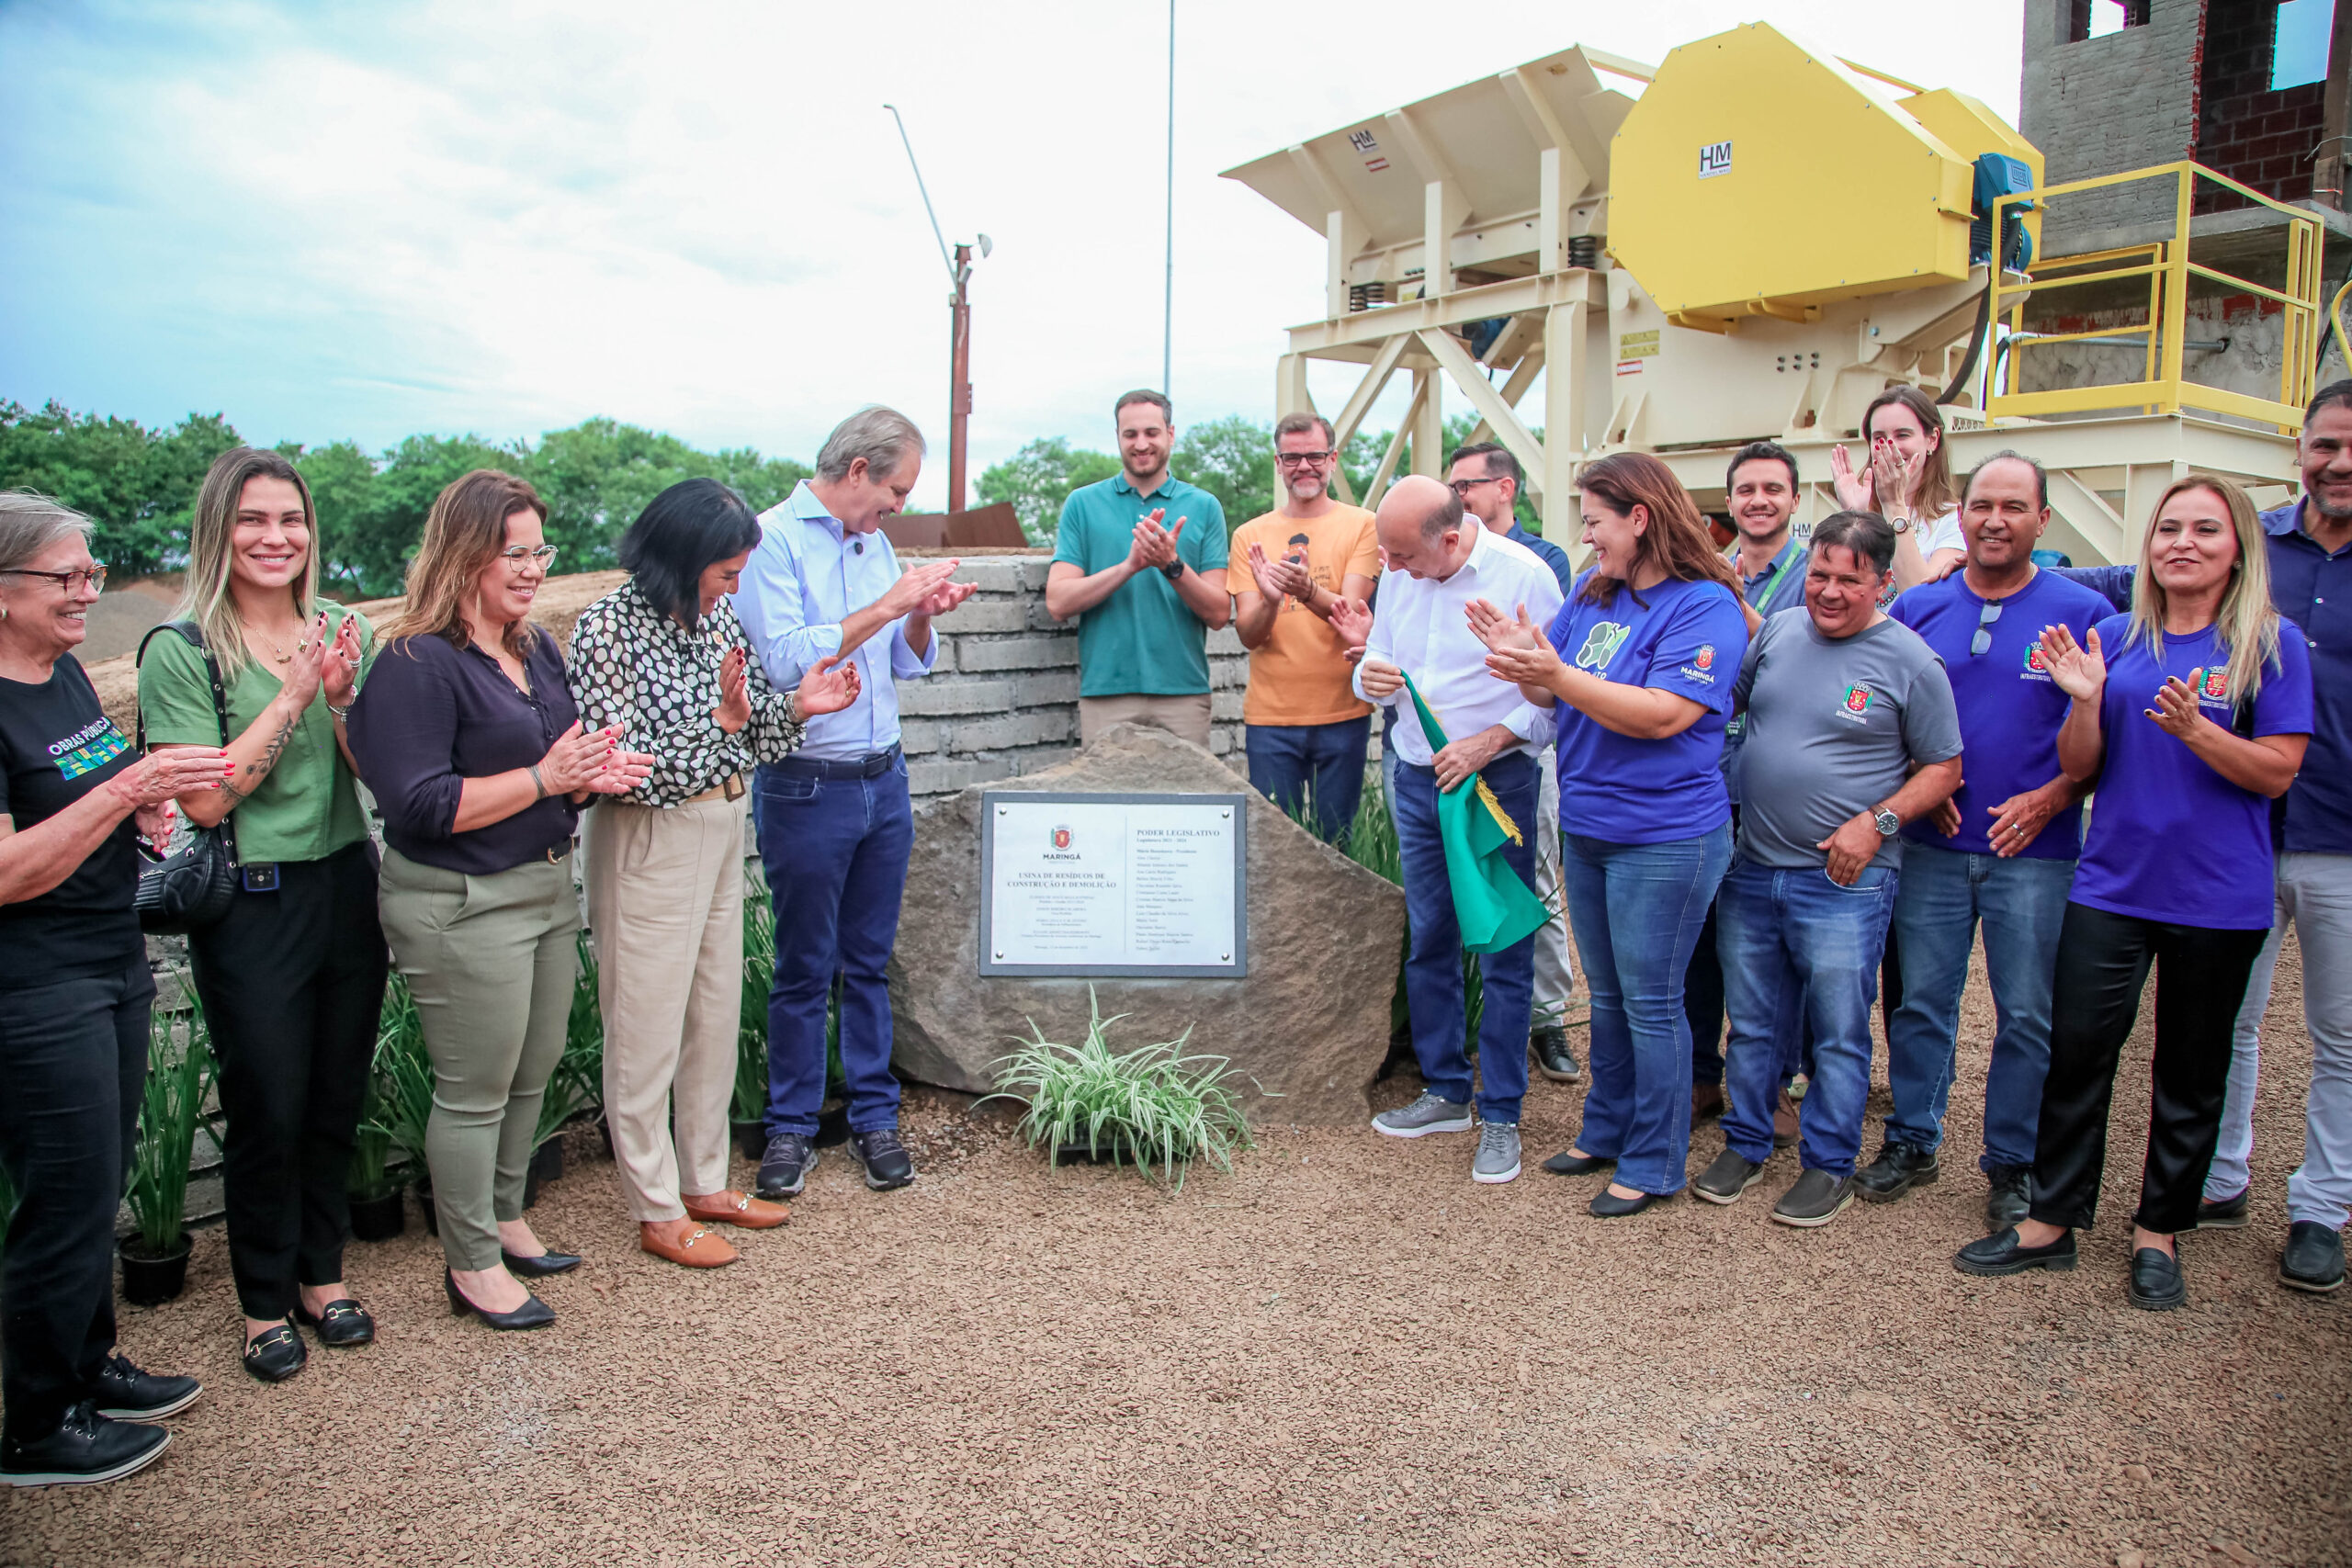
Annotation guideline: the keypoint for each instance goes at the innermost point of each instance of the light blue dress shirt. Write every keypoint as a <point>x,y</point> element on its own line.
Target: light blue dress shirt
<point>804,578</point>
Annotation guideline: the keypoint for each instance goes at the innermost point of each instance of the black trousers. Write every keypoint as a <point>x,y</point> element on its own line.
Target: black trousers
<point>72,1064</point>
<point>2103,963</point>
<point>292,982</point>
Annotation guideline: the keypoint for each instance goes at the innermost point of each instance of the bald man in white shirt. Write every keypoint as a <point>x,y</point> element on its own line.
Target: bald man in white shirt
<point>1438,562</point>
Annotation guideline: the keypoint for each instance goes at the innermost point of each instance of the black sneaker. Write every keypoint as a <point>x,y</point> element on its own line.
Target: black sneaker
<point>2154,1283</point>
<point>2224,1213</point>
<point>886,1160</point>
<point>1731,1174</point>
<point>2011,1197</point>
<point>85,1448</point>
<point>1553,1057</point>
<point>123,1392</point>
<point>2313,1260</point>
<point>1814,1199</point>
<point>2001,1253</point>
<point>1898,1168</point>
<point>784,1169</point>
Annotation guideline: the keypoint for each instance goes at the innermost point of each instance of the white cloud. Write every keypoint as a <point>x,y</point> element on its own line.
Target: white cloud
<point>369,220</point>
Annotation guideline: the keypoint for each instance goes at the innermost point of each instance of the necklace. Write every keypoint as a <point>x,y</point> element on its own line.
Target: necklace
<point>301,642</point>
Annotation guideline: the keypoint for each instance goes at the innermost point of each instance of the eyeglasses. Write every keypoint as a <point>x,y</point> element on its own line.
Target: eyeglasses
<point>518,558</point>
<point>1296,459</point>
<point>68,581</point>
<point>1983,640</point>
<point>1464,487</point>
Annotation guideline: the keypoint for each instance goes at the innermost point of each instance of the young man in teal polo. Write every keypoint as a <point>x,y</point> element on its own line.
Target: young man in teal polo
<point>1139,558</point>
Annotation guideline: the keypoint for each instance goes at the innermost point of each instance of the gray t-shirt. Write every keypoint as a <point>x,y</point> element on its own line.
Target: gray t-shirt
<point>1833,728</point>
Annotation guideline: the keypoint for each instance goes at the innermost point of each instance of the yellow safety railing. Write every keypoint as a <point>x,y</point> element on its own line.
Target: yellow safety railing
<point>2162,386</point>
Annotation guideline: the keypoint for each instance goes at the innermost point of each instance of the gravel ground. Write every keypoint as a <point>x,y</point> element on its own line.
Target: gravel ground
<point>1344,1352</point>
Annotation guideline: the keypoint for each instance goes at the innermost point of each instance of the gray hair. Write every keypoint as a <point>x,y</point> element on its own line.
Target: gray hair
<point>30,523</point>
<point>883,436</point>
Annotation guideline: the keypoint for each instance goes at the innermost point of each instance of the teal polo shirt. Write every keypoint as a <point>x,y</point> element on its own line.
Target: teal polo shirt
<point>1143,640</point>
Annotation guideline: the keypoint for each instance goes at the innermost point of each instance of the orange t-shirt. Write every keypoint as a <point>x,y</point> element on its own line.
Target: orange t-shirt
<point>1300,674</point>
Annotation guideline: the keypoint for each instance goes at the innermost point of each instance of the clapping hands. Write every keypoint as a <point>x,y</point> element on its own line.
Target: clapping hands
<point>1280,577</point>
<point>828,689</point>
<point>2079,669</point>
<point>1155,546</point>
<point>583,762</point>
<point>1517,649</point>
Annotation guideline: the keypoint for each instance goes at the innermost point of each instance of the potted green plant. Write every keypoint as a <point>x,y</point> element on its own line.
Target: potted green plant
<point>378,1212</point>
<point>747,1111</point>
<point>1151,1106</point>
<point>401,1091</point>
<point>578,1082</point>
<point>179,1076</point>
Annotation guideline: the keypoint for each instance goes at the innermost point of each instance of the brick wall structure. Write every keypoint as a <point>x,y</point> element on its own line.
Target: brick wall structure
<point>2259,137</point>
<point>1003,700</point>
<point>2098,106</point>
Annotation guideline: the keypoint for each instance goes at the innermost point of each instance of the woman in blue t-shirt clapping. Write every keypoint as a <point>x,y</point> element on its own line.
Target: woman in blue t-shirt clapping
<point>1640,661</point>
<point>2194,727</point>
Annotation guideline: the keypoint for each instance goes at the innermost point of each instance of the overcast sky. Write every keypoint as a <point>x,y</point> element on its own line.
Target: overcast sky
<point>364,220</point>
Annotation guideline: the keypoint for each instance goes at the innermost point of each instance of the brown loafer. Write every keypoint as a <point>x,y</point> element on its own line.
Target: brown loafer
<point>1706,1100</point>
<point>700,1249</point>
<point>1784,1121</point>
<point>738,1208</point>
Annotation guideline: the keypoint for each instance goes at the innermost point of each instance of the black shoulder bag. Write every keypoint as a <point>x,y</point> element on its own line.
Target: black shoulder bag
<point>192,886</point>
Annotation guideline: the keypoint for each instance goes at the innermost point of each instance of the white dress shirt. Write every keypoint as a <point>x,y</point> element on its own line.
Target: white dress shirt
<point>1422,627</point>
<point>805,576</point>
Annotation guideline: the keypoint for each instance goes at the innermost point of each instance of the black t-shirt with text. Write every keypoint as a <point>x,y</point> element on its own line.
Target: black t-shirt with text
<point>56,746</point>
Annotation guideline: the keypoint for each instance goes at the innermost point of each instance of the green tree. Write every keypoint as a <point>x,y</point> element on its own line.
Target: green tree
<point>1039,478</point>
<point>1233,460</point>
<point>138,485</point>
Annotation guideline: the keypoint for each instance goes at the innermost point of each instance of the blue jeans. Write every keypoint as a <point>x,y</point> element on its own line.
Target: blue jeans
<point>2023,903</point>
<point>1314,771</point>
<point>1787,932</point>
<point>836,852</point>
<point>1434,955</point>
<point>1636,910</point>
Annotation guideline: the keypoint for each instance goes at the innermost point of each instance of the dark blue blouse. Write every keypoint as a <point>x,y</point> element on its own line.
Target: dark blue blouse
<point>429,717</point>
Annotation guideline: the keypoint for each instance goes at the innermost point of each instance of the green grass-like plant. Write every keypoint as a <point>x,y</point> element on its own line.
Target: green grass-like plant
<point>1149,1106</point>
<point>179,1077</point>
<point>578,1082</point>
<point>750,1100</point>
<point>401,1098</point>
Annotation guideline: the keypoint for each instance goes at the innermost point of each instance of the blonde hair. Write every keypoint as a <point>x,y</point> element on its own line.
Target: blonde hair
<point>463,532</point>
<point>2246,623</point>
<point>211,553</point>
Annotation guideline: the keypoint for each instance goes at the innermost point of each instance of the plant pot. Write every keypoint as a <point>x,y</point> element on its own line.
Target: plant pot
<point>547,1165</point>
<point>751,1138</point>
<point>378,1217</point>
<point>832,1125</point>
<point>148,1281</point>
<point>423,1191</point>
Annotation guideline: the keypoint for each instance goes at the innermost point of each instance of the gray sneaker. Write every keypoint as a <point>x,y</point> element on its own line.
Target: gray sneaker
<point>1816,1197</point>
<point>1426,1115</point>
<point>1498,1157</point>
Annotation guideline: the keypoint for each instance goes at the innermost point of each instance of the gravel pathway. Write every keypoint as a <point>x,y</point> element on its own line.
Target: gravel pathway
<point>1344,1352</point>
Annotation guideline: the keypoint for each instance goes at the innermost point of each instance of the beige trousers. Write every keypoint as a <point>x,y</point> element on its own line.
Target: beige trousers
<point>665,901</point>
<point>1187,718</point>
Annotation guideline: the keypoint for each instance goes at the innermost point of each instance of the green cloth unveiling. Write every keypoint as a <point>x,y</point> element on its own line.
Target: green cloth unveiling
<point>1494,907</point>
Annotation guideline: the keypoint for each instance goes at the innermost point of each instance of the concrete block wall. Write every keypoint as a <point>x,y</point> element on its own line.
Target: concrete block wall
<point>2098,105</point>
<point>1003,700</point>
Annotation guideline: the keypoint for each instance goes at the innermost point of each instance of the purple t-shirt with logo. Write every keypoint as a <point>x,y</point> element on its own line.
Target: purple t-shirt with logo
<point>2170,839</point>
<point>2009,708</point>
<point>1683,637</point>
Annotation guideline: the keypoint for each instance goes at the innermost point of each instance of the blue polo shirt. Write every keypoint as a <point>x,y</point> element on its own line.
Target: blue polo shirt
<point>2170,839</point>
<point>1550,553</point>
<point>1687,638</point>
<point>2009,707</point>
<point>2312,588</point>
<point>1143,639</point>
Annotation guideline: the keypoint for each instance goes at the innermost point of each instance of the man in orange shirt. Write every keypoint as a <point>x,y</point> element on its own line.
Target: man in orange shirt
<point>1305,729</point>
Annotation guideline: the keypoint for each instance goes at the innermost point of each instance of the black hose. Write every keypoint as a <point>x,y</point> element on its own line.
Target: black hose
<point>1976,338</point>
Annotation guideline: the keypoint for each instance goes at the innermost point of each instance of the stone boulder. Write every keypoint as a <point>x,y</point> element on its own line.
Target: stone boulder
<point>1309,1022</point>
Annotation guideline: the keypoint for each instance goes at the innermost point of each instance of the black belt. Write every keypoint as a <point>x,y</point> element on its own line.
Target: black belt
<point>866,767</point>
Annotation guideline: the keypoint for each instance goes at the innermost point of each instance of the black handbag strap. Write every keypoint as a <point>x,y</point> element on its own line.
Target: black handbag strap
<point>194,634</point>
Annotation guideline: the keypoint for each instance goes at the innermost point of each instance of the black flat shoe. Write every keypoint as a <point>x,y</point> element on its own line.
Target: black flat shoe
<point>342,1322</point>
<point>276,1354</point>
<point>533,1313</point>
<point>2155,1284</point>
<point>1606,1205</point>
<point>125,1393</point>
<point>1568,1163</point>
<point>538,1267</point>
<point>2002,1253</point>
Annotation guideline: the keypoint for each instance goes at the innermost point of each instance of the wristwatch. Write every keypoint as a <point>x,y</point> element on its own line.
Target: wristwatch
<point>1900,524</point>
<point>1887,823</point>
<point>1174,570</point>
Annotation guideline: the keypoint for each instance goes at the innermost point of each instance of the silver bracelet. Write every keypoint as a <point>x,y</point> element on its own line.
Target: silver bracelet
<point>536,783</point>
<point>340,713</point>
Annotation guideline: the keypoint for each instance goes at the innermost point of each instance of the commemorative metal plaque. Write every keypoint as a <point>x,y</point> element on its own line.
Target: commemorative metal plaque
<point>1135,885</point>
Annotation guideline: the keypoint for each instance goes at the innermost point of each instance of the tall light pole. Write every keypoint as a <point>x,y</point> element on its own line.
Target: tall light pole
<point>1168,294</point>
<point>959,330</point>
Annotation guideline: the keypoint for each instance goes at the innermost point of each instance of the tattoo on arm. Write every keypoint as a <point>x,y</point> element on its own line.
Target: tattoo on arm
<point>250,776</point>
